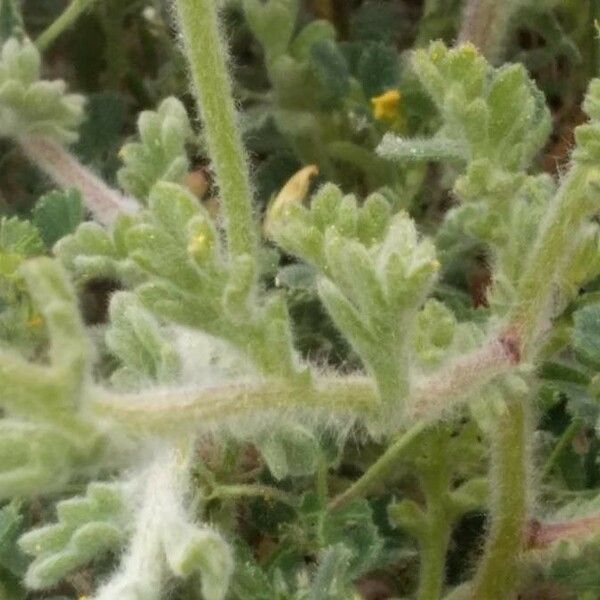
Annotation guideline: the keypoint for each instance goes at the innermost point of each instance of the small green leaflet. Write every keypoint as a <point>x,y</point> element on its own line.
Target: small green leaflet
<point>58,214</point>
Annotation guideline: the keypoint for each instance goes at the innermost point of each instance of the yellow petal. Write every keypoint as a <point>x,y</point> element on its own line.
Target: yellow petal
<point>386,106</point>
<point>293,192</point>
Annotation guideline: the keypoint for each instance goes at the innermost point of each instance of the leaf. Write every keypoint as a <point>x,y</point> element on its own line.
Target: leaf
<point>586,333</point>
<point>333,578</point>
<point>11,20</point>
<point>87,527</point>
<point>190,549</point>
<point>57,214</point>
<point>101,133</point>
<point>11,557</point>
<point>353,526</point>
<point>289,451</point>
<point>136,338</point>
<point>31,105</point>
<point>378,69</point>
<point>160,154</point>
<point>331,70</point>
<point>272,22</point>
<point>19,237</point>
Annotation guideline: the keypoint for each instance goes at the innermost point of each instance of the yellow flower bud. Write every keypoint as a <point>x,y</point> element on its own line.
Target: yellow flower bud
<point>386,107</point>
<point>294,191</point>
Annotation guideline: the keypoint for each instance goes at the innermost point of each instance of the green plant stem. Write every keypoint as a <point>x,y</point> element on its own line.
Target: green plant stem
<point>433,549</point>
<point>565,439</point>
<point>353,395</point>
<point>207,56</point>
<point>382,468</point>
<point>63,22</point>
<point>436,480</point>
<point>250,491</point>
<point>485,24</point>
<point>496,577</point>
<point>191,409</point>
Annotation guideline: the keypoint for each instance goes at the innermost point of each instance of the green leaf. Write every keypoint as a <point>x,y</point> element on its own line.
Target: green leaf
<point>289,451</point>
<point>378,69</point>
<point>91,251</point>
<point>272,22</point>
<point>11,557</point>
<point>315,32</point>
<point>30,105</point>
<point>57,214</point>
<point>87,527</point>
<point>331,70</point>
<point>101,132</point>
<point>160,155</point>
<point>19,237</point>
<point>333,578</point>
<point>586,333</point>
<point>190,549</point>
<point>11,20</point>
<point>353,527</point>
<point>135,337</point>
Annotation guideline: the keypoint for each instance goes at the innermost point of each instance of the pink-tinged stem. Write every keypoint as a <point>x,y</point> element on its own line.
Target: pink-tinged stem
<point>65,170</point>
<point>541,535</point>
<point>440,391</point>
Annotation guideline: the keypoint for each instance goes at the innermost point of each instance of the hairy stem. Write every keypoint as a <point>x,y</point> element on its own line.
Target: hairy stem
<point>250,491</point>
<point>543,535</point>
<point>63,22</point>
<point>207,56</point>
<point>193,409</point>
<point>434,546</point>
<point>440,391</point>
<point>496,577</point>
<point>485,24</point>
<point>65,170</point>
<point>355,395</point>
<point>381,469</point>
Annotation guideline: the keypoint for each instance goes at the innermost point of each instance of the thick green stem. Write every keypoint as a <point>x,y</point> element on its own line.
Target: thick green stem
<point>496,577</point>
<point>433,549</point>
<point>436,481</point>
<point>207,55</point>
<point>64,21</point>
<point>182,409</point>
<point>382,468</point>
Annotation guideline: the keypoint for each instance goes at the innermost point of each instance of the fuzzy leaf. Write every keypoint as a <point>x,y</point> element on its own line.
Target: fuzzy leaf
<point>378,69</point>
<point>290,451</point>
<point>192,549</point>
<point>87,527</point>
<point>19,237</point>
<point>136,338</point>
<point>160,155</point>
<point>272,22</point>
<point>11,557</point>
<point>353,526</point>
<point>57,214</point>
<point>95,252</point>
<point>30,105</point>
